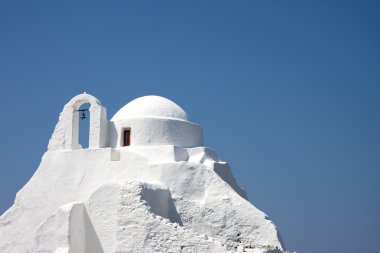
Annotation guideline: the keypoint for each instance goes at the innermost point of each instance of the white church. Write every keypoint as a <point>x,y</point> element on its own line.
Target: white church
<point>146,183</point>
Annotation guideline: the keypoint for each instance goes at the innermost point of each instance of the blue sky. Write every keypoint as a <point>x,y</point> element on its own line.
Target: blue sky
<point>288,92</point>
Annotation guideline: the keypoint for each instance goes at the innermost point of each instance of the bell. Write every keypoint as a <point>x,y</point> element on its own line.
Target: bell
<point>82,116</point>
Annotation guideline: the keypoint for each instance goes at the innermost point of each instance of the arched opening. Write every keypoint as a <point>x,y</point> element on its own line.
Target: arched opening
<point>84,125</point>
<point>93,129</point>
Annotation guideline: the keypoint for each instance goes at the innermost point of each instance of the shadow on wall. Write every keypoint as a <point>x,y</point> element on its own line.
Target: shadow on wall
<point>91,238</point>
<point>224,171</point>
<point>161,203</point>
<point>70,228</point>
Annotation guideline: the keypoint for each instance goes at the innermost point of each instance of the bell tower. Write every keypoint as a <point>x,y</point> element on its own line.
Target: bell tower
<point>66,131</point>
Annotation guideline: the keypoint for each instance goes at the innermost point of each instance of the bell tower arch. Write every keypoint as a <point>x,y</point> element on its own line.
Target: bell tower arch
<point>66,131</point>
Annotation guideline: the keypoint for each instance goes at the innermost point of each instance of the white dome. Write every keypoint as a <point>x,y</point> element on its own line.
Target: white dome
<point>151,106</point>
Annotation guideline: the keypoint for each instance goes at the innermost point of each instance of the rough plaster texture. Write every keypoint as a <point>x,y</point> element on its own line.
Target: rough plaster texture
<point>152,198</point>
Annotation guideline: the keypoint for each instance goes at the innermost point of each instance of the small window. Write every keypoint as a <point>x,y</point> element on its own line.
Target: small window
<point>126,137</point>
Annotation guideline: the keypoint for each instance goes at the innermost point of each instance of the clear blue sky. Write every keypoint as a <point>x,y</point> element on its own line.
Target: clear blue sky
<point>288,92</point>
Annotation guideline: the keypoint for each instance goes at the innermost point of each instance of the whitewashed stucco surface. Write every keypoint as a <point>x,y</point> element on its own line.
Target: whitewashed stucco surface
<point>149,197</point>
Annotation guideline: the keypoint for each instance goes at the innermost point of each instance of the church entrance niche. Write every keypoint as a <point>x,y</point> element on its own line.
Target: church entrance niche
<point>84,125</point>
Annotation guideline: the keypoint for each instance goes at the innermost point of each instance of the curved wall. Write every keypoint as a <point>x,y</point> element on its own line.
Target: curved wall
<point>156,131</point>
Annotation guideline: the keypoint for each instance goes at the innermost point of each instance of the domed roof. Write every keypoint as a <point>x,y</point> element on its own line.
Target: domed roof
<point>151,106</point>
